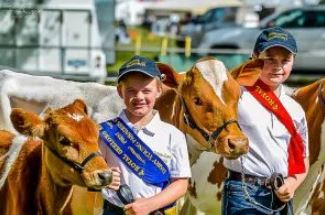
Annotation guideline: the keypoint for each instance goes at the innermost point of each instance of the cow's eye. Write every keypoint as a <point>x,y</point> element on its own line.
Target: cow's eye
<point>64,141</point>
<point>197,101</point>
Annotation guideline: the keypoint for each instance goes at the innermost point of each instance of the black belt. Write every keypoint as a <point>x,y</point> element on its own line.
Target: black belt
<point>250,179</point>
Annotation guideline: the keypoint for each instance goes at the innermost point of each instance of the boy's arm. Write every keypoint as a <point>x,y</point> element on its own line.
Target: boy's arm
<point>170,194</point>
<point>287,190</point>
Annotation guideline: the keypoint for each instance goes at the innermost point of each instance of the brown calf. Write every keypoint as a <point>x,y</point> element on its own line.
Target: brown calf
<point>38,174</point>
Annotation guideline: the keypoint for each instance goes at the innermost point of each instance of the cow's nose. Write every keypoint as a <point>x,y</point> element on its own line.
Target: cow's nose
<point>105,177</point>
<point>238,145</point>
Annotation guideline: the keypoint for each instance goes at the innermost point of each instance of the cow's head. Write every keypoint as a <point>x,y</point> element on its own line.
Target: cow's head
<point>209,96</point>
<point>70,149</point>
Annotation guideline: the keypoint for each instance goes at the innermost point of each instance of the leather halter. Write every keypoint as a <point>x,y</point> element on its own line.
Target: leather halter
<point>188,119</point>
<point>79,167</point>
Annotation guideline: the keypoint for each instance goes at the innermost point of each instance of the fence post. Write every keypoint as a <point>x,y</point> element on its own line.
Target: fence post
<point>188,41</point>
<point>138,44</point>
<point>164,45</point>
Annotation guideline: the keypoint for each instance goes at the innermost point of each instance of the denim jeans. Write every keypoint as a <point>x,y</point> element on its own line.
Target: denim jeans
<point>236,202</point>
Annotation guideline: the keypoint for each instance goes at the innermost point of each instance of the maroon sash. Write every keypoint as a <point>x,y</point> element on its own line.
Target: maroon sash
<point>271,102</point>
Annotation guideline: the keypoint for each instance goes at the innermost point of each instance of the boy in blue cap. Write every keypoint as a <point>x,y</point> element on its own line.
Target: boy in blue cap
<point>151,154</point>
<point>264,181</point>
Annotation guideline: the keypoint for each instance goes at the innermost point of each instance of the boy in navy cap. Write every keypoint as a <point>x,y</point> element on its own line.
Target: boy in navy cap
<point>264,181</point>
<point>151,154</point>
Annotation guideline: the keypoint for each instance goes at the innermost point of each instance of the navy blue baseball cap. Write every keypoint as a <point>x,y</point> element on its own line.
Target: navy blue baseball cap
<point>141,65</point>
<point>275,36</point>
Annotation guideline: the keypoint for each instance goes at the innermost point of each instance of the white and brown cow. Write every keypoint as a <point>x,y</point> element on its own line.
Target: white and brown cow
<point>40,165</point>
<point>201,102</point>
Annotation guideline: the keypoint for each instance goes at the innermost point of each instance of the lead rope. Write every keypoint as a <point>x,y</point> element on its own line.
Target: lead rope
<point>257,205</point>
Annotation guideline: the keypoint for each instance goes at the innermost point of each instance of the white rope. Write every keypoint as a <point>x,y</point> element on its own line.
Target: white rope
<point>12,154</point>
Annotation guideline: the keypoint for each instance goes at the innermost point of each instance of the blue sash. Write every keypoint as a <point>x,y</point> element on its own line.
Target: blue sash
<point>134,153</point>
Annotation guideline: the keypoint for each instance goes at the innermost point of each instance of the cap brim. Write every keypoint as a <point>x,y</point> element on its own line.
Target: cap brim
<point>279,45</point>
<point>136,70</point>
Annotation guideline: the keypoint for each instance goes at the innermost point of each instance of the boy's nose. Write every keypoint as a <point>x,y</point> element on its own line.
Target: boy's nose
<point>139,95</point>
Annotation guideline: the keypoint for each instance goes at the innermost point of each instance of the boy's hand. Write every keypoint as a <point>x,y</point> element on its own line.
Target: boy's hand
<point>115,184</point>
<point>139,207</point>
<point>287,190</point>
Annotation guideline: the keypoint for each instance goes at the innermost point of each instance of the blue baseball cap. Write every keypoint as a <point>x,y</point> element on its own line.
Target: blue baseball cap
<point>141,65</point>
<point>275,36</point>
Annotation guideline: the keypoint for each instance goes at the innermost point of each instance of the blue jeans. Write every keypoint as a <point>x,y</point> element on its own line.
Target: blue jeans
<point>235,201</point>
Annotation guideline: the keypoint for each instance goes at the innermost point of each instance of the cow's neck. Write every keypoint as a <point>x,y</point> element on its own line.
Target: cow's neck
<point>193,150</point>
<point>309,98</point>
<point>171,111</point>
<point>54,197</point>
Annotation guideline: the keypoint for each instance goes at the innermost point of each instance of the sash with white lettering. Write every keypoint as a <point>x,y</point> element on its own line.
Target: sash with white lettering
<point>271,102</point>
<point>134,153</point>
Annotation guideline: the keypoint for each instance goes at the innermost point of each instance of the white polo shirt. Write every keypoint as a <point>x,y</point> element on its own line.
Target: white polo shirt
<point>166,141</point>
<point>268,137</point>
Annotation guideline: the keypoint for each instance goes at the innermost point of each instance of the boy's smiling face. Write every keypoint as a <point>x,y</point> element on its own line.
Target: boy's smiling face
<point>278,63</point>
<point>139,93</point>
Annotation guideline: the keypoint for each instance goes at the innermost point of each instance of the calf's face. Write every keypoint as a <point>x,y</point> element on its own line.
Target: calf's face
<point>70,137</point>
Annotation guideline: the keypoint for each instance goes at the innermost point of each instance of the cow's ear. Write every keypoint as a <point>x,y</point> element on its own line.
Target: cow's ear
<point>248,73</point>
<point>322,88</point>
<point>80,105</point>
<point>171,77</point>
<point>27,123</point>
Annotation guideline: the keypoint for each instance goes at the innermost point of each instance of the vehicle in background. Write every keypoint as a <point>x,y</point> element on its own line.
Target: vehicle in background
<point>58,38</point>
<point>217,18</point>
<point>307,24</point>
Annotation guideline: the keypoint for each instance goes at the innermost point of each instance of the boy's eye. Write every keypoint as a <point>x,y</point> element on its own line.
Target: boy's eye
<point>146,91</point>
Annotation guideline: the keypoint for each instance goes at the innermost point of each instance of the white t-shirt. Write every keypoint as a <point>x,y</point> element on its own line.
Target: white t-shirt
<point>268,137</point>
<point>164,140</point>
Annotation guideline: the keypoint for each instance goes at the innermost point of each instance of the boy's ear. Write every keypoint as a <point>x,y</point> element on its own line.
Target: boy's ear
<point>119,91</point>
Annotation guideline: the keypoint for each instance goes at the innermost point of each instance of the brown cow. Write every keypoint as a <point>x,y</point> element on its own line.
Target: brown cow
<point>38,174</point>
<point>310,195</point>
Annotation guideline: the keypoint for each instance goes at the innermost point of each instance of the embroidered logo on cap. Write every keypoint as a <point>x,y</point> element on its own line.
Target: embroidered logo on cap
<point>135,62</point>
<point>277,35</point>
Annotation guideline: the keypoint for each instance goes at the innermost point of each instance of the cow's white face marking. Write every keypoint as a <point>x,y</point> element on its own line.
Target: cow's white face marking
<point>76,117</point>
<point>215,73</point>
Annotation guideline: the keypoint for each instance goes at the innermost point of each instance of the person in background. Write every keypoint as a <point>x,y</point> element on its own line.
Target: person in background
<point>151,154</point>
<point>264,181</point>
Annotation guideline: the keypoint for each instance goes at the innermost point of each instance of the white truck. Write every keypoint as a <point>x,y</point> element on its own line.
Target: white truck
<point>59,38</point>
